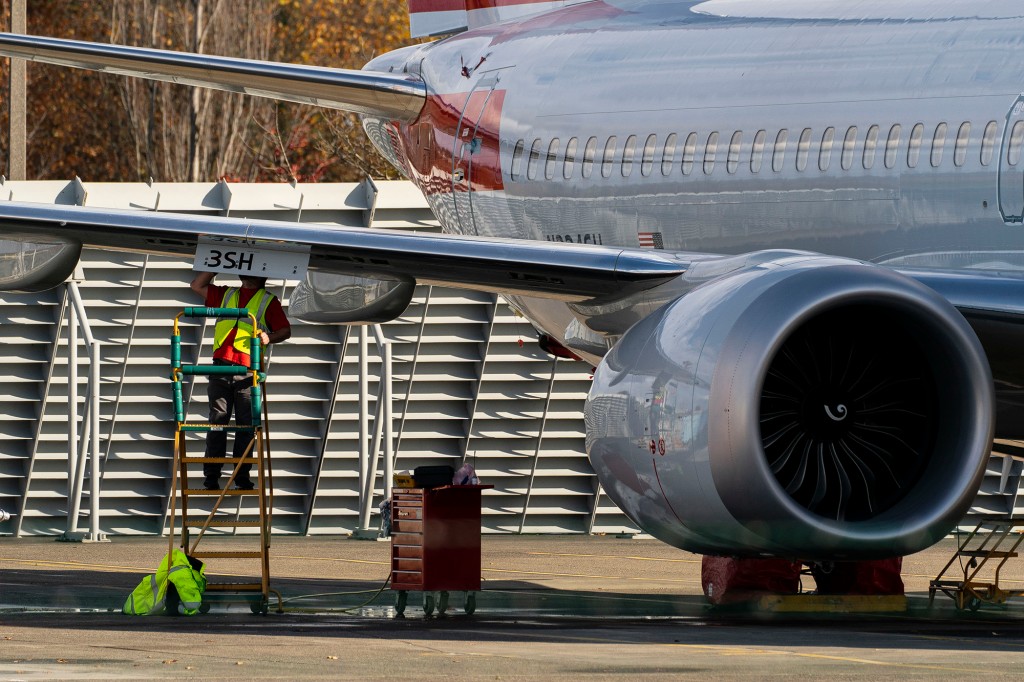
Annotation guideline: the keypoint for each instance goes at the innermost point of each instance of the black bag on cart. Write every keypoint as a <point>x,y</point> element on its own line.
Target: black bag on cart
<point>433,476</point>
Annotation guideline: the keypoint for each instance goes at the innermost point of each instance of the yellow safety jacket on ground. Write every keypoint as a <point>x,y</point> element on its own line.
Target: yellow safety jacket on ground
<point>150,597</point>
<point>257,305</point>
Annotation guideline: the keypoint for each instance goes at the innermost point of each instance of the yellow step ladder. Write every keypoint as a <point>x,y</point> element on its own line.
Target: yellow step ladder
<point>982,555</point>
<point>257,455</point>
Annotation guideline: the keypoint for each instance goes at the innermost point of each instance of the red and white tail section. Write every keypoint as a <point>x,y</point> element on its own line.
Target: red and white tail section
<point>434,17</point>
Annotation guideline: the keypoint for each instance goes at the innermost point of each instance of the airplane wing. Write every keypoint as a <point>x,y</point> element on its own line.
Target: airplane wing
<point>568,272</point>
<point>392,96</point>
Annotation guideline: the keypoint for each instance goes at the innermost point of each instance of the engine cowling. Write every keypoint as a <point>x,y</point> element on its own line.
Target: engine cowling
<point>330,298</point>
<point>809,407</point>
<point>36,263</point>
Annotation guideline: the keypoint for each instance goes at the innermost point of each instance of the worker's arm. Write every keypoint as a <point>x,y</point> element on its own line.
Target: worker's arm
<point>276,336</point>
<point>201,283</point>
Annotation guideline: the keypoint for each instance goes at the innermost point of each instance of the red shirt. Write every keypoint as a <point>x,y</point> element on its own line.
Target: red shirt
<point>275,319</point>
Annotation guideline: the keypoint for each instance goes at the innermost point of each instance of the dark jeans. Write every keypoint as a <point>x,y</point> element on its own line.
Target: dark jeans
<point>229,394</point>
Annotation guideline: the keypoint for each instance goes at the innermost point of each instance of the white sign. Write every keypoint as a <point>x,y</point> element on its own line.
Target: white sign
<point>251,257</point>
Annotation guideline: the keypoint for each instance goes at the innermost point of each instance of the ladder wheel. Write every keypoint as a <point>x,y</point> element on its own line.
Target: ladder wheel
<point>428,603</point>
<point>974,604</point>
<point>260,608</point>
<point>400,602</point>
<point>470,603</point>
<point>204,607</point>
<point>442,602</point>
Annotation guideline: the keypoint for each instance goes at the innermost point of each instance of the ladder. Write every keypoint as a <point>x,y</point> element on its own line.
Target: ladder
<point>257,455</point>
<point>981,556</point>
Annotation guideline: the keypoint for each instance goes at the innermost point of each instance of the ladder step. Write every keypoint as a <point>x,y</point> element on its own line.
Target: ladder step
<point>987,553</point>
<point>207,493</point>
<point>234,587</point>
<point>218,460</point>
<point>223,524</point>
<point>225,554</point>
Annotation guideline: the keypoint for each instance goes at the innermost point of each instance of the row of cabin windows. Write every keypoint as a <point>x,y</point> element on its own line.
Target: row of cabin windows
<point>851,149</point>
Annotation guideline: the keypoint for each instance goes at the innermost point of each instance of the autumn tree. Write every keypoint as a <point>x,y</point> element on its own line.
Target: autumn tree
<point>311,143</point>
<point>105,127</point>
<point>191,134</point>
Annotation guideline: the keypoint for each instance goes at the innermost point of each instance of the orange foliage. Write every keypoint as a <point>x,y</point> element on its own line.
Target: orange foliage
<point>104,127</point>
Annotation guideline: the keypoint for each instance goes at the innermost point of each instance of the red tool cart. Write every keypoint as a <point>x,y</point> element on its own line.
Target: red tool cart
<point>435,544</point>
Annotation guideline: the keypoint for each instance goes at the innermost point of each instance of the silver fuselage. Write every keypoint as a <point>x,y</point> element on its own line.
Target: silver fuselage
<point>747,132</point>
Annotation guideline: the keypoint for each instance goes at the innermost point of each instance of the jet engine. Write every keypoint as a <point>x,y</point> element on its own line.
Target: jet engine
<point>809,407</point>
<point>324,297</point>
<point>36,263</point>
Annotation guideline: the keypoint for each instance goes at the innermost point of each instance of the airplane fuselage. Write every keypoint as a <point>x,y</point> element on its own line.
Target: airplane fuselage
<point>894,139</point>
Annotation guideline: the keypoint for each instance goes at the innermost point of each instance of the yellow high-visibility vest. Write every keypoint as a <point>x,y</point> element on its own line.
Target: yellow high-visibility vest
<point>150,596</point>
<point>257,305</point>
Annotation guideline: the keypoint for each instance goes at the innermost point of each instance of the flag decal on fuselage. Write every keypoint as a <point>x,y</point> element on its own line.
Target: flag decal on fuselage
<point>651,240</point>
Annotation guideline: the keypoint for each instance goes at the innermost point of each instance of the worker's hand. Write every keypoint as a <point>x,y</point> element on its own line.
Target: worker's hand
<point>264,337</point>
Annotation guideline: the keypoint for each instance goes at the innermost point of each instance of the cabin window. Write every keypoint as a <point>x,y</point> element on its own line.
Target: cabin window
<point>628,152</point>
<point>988,143</point>
<point>669,157</point>
<point>779,154</point>
<point>870,145</point>
<point>589,154</point>
<point>710,152</point>
<point>517,159</point>
<point>569,166</point>
<point>803,149</point>
<point>825,153</point>
<point>609,157</point>
<point>914,149</point>
<point>647,165</point>
<point>938,144</point>
<point>1016,140</point>
<point>534,162</point>
<point>757,151</point>
<point>689,151</point>
<point>849,147</point>
<point>549,164</point>
<point>733,162</point>
<point>963,140</point>
<point>892,145</point>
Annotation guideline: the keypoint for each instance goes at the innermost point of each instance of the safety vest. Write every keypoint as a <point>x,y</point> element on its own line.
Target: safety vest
<point>150,597</point>
<point>257,305</point>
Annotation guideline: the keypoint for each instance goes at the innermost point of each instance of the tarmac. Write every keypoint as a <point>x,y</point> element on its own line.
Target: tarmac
<point>571,607</point>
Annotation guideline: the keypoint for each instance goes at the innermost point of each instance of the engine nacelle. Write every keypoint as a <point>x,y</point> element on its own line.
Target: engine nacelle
<point>36,263</point>
<point>810,407</point>
<point>325,297</point>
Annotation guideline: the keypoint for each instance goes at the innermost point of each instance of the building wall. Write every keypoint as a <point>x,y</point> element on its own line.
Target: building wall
<point>470,383</point>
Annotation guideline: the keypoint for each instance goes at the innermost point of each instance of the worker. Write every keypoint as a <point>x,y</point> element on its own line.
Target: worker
<point>232,393</point>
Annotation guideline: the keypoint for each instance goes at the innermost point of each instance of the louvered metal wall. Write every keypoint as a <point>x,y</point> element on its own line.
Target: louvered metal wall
<point>469,381</point>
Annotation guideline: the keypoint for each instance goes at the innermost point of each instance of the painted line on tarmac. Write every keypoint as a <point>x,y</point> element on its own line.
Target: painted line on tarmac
<point>509,570</point>
<point>587,575</point>
<point>105,568</point>
<point>326,558</point>
<point>749,651</point>
<point>615,556</point>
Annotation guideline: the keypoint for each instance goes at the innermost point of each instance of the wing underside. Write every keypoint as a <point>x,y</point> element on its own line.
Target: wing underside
<point>568,272</point>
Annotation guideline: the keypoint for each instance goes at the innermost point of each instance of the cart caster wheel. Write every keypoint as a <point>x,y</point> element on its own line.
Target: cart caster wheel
<point>400,602</point>
<point>470,603</point>
<point>974,604</point>
<point>260,608</point>
<point>428,603</point>
<point>442,603</point>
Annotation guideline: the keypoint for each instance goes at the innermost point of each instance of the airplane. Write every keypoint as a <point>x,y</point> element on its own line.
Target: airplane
<point>789,236</point>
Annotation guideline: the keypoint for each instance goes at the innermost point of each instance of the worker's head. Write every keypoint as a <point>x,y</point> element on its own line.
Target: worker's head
<point>253,282</point>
